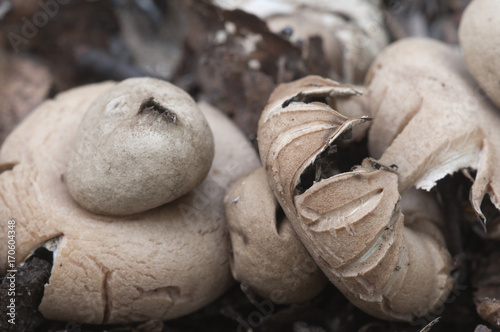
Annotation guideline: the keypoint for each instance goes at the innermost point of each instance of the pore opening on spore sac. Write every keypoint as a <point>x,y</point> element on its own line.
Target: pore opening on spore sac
<point>149,105</point>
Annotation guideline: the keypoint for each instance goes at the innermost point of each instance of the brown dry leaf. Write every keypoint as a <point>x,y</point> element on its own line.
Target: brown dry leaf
<point>348,34</point>
<point>236,61</point>
<point>55,30</point>
<point>24,83</point>
<point>236,56</point>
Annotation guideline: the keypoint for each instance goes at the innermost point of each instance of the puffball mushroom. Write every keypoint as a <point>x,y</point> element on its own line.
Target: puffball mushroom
<point>479,35</point>
<point>430,122</point>
<point>159,264</point>
<point>352,32</point>
<point>350,220</point>
<point>141,144</point>
<point>267,255</point>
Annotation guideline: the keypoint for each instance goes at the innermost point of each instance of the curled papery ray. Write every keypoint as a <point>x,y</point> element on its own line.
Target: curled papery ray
<point>306,128</point>
<point>351,223</point>
<point>431,119</point>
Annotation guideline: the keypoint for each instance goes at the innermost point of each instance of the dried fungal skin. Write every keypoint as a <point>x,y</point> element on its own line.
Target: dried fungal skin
<point>141,144</point>
<point>267,255</point>
<point>430,119</point>
<point>351,223</point>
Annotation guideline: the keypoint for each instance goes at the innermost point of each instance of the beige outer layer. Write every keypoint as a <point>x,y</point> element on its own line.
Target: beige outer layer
<point>267,254</point>
<point>479,35</point>
<point>126,160</point>
<point>159,264</point>
<point>351,223</point>
<point>430,121</point>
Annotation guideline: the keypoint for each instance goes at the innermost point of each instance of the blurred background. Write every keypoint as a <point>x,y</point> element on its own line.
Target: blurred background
<point>231,53</point>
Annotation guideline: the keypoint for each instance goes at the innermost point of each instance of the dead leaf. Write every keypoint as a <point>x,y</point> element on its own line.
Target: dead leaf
<point>24,83</point>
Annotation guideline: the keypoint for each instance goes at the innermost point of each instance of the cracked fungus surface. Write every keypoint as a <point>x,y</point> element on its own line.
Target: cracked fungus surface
<point>159,264</point>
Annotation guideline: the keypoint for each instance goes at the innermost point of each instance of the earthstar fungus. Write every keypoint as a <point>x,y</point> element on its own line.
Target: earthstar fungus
<point>158,264</point>
<point>366,226</point>
<point>350,220</point>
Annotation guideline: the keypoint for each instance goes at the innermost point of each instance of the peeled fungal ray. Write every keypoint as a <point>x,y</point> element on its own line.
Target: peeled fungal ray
<point>374,266</point>
<point>422,166</point>
<point>315,111</point>
<point>348,226</point>
<point>319,93</point>
<point>351,241</point>
<point>453,129</point>
<point>292,151</point>
<point>486,182</point>
<point>283,164</point>
<point>343,216</point>
<point>354,252</point>
<point>464,148</point>
<point>305,91</point>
